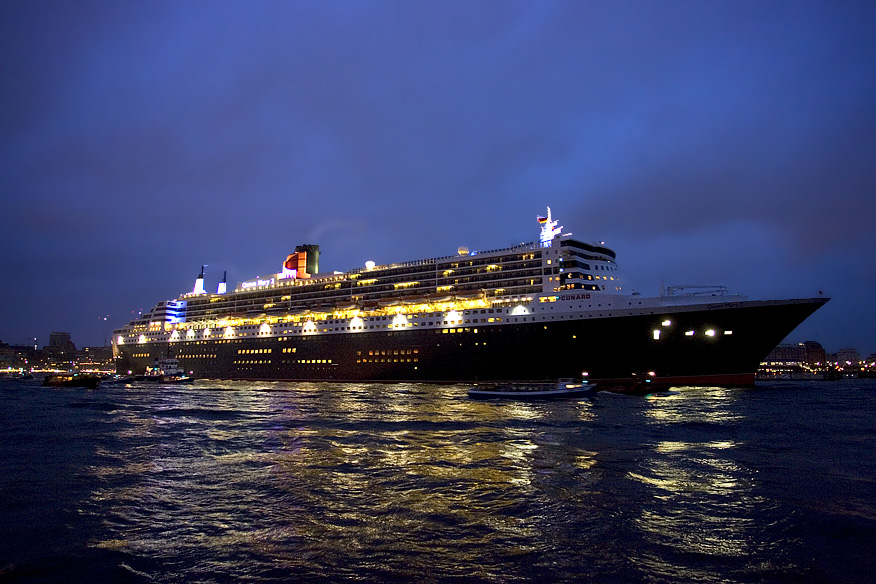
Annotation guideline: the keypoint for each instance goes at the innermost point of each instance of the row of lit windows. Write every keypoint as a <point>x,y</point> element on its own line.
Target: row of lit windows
<point>388,360</point>
<point>398,323</point>
<point>254,351</point>
<point>299,361</point>
<point>389,352</point>
<point>197,356</point>
<point>369,319</point>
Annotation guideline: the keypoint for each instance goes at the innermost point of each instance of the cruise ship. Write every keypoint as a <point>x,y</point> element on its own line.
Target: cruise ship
<point>554,308</point>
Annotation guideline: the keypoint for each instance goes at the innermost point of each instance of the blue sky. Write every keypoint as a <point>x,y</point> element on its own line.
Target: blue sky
<point>707,142</point>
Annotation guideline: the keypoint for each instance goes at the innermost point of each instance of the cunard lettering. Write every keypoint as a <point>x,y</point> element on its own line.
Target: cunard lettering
<point>577,297</point>
<point>256,283</point>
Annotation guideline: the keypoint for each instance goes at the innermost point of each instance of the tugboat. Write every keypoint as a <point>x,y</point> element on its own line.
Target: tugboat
<point>564,388</point>
<point>167,371</point>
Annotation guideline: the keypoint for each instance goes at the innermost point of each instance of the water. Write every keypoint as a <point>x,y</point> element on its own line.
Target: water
<point>279,482</point>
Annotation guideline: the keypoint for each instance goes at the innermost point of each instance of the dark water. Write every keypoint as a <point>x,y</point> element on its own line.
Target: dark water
<point>273,482</point>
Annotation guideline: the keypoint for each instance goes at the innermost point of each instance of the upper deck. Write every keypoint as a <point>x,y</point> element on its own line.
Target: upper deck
<point>512,274</point>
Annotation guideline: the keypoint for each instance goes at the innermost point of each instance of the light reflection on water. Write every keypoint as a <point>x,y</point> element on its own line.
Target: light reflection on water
<point>335,470</point>
<point>245,481</point>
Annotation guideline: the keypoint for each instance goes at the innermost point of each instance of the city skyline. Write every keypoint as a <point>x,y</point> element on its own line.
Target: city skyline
<point>706,143</point>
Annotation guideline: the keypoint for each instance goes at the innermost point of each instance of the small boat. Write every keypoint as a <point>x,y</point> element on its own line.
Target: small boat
<point>167,371</point>
<point>437,298</point>
<point>16,375</point>
<point>413,300</point>
<point>564,388</point>
<point>471,296</point>
<point>71,380</point>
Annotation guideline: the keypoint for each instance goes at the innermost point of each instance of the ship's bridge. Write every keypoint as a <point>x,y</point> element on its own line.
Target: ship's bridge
<point>571,264</point>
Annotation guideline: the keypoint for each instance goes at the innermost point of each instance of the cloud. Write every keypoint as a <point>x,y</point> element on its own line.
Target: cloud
<point>157,136</point>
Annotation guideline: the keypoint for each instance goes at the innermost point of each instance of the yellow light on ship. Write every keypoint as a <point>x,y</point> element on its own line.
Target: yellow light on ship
<point>309,327</point>
<point>190,334</point>
<point>666,322</point>
<point>452,316</point>
<point>229,331</point>
<point>142,339</point>
<point>265,328</point>
<point>399,320</point>
<point>120,340</point>
<point>710,333</point>
<point>355,323</point>
<point>656,334</point>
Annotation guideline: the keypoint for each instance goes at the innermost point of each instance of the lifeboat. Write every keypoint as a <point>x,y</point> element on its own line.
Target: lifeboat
<point>439,298</point>
<point>472,295</point>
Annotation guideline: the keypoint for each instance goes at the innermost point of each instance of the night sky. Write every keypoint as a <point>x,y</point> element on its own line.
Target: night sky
<point>706,142</point>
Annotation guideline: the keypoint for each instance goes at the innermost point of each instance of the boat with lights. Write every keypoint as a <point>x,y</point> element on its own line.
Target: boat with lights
<point>555,308</point>
<point>71,380</point>
<point>563,389</point>
<point>166,371</point>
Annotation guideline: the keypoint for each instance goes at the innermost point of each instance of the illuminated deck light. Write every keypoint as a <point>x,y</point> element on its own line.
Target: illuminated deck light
<point>710,333</point>
<point>229,331</point>
<point>728,332</point>
<point>656,334</point>
<point>666,322</point>
<point>120,340</point>
<point>265,328</point>
<point>689,333</point>
<point>142,339</point>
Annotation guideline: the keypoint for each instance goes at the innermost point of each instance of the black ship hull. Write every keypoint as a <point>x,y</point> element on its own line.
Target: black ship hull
<point>716,344</point>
